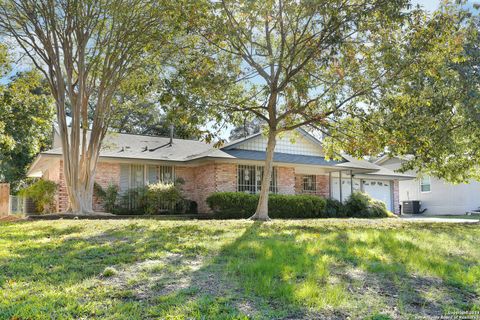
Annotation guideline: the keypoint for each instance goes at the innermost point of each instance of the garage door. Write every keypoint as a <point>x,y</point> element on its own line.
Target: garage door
<point>379,190</point>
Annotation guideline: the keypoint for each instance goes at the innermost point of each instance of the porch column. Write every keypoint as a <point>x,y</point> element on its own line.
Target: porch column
<point>351,182</point>
<point>330,185</point>
<point>340,184</point>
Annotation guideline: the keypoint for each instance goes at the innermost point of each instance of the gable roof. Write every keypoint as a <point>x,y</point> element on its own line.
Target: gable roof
<point>142,147</point>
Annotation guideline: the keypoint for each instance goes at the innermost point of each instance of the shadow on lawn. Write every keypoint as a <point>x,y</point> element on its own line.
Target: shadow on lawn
<point>266,272</point>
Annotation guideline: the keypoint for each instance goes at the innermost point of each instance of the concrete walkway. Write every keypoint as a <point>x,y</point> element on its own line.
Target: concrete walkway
<point>447,219</point>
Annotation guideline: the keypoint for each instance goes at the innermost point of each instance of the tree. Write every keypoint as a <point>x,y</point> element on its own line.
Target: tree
<point>248,127</point>
<point>84,49</point>
<point>433,115</point>
<point>306,62</point>
<point>26,114</point>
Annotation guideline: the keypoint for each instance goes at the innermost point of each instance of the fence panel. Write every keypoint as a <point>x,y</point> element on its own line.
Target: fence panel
<point>17,205</point>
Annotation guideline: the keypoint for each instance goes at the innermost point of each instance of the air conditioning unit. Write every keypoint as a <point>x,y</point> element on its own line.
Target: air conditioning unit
<point>412,207</point>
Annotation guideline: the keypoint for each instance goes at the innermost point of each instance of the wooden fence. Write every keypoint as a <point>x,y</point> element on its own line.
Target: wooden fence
<point>4,199</point>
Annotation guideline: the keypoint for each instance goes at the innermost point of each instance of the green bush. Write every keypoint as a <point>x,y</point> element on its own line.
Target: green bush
<point>236,205</point>
<point>108,196</point>
<point>334,209</point>
<point>162,197</point>
<point>42,194</point>
<point>243,205</point>
<point>361,205</point>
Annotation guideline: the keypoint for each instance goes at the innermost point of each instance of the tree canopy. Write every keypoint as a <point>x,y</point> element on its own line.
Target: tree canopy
<point>26,117</point>
<point>85,49</point>
<point>315,63</point>
<point>433,115</point>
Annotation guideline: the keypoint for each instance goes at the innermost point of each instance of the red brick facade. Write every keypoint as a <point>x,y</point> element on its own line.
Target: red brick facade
<point>199,182</point>
<point>396,197</point>
<point>322,185</point>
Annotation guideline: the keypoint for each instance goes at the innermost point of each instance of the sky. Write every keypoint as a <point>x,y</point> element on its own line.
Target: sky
<point>429,5</point>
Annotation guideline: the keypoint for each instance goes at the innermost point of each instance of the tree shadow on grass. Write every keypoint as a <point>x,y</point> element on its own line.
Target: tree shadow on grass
<point>293,271</point>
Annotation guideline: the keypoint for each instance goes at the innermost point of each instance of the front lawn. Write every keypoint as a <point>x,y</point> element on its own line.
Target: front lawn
<point>140,269</point>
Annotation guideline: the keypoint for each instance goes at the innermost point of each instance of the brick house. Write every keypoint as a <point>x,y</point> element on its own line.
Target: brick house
<point>131,161</point>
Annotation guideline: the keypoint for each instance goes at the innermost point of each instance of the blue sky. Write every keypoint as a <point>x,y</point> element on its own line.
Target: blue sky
<point>429,5</point>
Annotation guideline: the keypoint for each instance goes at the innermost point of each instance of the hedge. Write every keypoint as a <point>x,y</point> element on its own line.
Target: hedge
<point>242,205</point>
<point>238,205</point>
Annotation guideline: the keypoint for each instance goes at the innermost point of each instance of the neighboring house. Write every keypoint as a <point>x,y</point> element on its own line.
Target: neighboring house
<point>436,195</point>
<point>132,161</point>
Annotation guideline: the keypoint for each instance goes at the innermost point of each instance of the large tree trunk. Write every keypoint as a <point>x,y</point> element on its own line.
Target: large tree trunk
<point>262,208</point>
<point>79,179</point>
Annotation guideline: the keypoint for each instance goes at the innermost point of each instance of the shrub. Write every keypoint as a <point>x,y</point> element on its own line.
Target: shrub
<point>334,209</point>
<point>108,196</point>
<point>42,193</point>
<point>162,197</point>
<point>228,205</point>
<point>361,205</point>
<point>243,205</point>
<point>232,204</point>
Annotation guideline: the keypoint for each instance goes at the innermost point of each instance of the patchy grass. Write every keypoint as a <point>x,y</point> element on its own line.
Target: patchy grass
<point>375,269</point>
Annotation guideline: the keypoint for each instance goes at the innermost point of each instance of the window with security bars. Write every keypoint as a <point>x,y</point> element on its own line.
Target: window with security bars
<point>309,184</point>
<point>249,179</point>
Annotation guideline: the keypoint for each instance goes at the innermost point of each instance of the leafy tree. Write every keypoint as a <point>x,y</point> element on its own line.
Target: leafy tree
<point>85,49</point>
<point>245,129</point>
<point>433,115</point>
<point>26,117</point>
<point>303,63</point>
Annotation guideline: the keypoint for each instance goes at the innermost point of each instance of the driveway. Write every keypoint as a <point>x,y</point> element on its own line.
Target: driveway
<point>448,219</point>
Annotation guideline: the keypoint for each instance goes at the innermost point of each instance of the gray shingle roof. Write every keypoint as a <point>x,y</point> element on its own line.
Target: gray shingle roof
<point>130,146</point>
<point>281,157</point>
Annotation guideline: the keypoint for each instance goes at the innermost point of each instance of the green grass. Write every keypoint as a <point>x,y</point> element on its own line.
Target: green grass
<point>141,269</point>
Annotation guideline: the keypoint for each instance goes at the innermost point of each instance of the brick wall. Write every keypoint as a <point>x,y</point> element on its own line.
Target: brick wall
<point>107,173</point>
<point>286,180</point>
<point>322,185</point>
<point>204,185</point>
<point>396,197</point>
<point>4,199</point>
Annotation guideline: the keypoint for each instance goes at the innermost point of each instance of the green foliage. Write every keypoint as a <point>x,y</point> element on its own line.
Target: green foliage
<point>26,119</point>
<point>159,198</point>
<point>109,272</point>
<point>315,269</point>
<point>108,196</point>
<point>361,205</point>
<point>162,197</point>
<point>431,113</point>
<point>231,205</point>
<point>243,205</point>
<point>42,193</point>
<point>334,209</point>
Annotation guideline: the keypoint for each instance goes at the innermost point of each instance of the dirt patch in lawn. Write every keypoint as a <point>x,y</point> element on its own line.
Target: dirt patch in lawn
<point>10,218</point>
<point>147,280</point>
<point>426,297</point>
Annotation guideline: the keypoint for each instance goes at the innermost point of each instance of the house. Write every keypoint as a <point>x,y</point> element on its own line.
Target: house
<point>131,161</point>
<point>438,196</point>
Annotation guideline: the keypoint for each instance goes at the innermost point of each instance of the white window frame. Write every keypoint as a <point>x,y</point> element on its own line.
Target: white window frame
<point>424,184</point>
<point>245,183</point>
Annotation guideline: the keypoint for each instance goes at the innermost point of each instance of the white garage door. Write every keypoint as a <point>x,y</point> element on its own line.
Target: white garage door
<point>379,190</point>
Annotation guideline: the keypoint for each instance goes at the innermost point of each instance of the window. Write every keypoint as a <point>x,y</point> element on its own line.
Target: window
<point>425,184</point>
<point>249,179</point>
<point>163,174</point>
<point>133,176</point>
<point>309,183</point>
